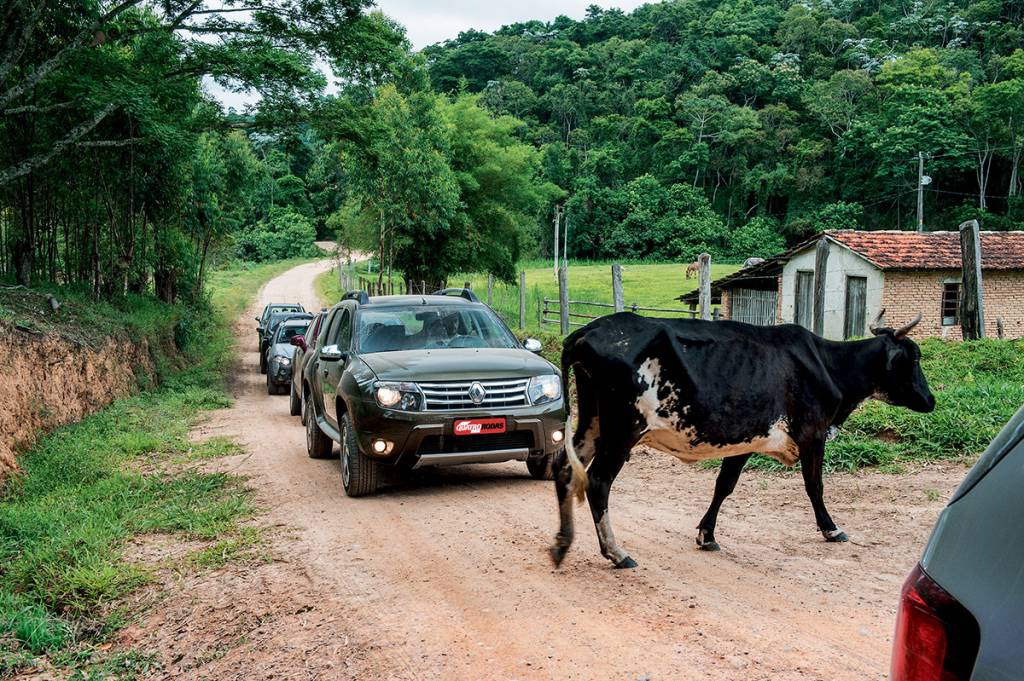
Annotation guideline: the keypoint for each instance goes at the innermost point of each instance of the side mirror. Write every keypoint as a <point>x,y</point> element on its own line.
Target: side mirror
<point>257,319</point>
<point>331,353</point>
<point>533,345</point>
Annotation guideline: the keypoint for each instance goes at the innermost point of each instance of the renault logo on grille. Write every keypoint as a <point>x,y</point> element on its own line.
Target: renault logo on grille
<point>477,393</point>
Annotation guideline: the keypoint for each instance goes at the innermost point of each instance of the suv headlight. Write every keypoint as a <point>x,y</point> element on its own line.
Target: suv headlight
<point>404,396</point>
<point>543,389</point>
<point>282,360</point>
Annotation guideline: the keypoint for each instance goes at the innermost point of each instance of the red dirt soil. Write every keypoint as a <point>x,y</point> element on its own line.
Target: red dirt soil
<point>447,577</point>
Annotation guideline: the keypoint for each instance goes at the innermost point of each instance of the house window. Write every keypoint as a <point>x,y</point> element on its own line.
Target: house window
<point>856,306</point>
<point>950,303</point>
<point>804,304</point>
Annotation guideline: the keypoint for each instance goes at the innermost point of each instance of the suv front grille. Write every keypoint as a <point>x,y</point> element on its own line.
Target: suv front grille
<point>451,444</point>
<point>509,392</point>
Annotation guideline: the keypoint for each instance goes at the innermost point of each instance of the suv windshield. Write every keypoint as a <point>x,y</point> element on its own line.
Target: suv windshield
<point>430,327</point>
<point>287,331</point>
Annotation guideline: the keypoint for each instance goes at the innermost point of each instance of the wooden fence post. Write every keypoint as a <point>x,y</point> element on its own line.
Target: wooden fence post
<point>522,300</point>
<point>617,296</point>
<point>704,260</point>
<point>563,299</point>
<point>972,299</point>
<point>820,272</point>
<point>490,289</point>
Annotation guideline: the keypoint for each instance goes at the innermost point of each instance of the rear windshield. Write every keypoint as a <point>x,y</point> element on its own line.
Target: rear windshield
<point>430,327</point>
<point>286,333</point>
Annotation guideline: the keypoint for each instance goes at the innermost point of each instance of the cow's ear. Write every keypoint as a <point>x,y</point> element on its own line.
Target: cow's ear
<point>891,355</point>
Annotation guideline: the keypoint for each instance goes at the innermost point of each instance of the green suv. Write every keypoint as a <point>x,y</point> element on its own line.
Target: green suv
<point>402,382</point>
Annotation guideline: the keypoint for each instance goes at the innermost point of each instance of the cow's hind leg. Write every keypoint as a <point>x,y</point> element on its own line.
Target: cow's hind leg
<point>601,475</point>
<point>563,480</point>
<point>585,443</point>
<point>810,467</point>
<point>724,485</point>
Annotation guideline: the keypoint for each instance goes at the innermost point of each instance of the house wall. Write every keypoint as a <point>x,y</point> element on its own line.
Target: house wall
<point>907,292</point>
<point>842,262</point>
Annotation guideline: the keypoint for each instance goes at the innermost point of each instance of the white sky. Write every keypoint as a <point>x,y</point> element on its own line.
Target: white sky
<point>427,23</point>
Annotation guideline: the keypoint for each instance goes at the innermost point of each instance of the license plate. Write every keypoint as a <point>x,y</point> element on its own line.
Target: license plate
<point>479,426</point>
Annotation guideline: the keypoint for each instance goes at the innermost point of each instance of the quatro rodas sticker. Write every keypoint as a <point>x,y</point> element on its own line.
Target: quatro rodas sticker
<point>479,426</point>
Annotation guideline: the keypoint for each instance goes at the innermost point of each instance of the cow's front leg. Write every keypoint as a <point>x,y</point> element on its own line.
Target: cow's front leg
<point>563,478</point>
<point>724,485</point>
<point>601,475</point>
<point>811,460</point>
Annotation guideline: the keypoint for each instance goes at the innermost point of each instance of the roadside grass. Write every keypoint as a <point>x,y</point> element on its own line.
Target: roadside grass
<point>82,319</point>
<point>644,283</point>
<point>84,490</point>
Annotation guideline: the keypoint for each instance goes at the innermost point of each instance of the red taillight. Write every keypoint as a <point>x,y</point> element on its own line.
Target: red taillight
<point>936,637</point>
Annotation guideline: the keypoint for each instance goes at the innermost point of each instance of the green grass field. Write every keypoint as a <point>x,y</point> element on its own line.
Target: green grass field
<point>645,284</point>
<point>86,489</point>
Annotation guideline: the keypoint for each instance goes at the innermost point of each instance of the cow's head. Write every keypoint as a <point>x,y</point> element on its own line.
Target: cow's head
<point>903,383</point>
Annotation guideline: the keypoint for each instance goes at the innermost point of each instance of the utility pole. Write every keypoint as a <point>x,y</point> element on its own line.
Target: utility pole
<point>920,191</point>
<point>565,245</point>
<point>558,219</point>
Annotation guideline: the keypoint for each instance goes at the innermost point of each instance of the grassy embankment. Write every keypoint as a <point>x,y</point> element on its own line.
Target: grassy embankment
<point>85,490</point>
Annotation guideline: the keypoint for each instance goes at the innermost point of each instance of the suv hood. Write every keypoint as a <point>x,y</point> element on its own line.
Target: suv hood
<point>283,350</point>
<point>456,364</point>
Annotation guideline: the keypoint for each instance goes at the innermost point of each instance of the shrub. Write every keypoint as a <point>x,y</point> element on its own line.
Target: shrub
<point>284,234</point>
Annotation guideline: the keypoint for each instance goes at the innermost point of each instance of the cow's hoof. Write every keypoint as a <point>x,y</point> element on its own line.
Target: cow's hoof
<point>625,564</point>
<point>557,554</point>
<point>835,536</point>
<point>709,546</point>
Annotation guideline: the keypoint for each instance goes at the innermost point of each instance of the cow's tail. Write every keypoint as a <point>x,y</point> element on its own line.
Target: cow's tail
<point>578,484</point>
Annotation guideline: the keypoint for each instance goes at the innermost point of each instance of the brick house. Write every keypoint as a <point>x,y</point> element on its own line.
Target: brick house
<point>901,272</point>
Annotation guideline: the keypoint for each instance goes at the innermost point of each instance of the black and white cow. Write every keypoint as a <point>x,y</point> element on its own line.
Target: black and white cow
<point>703,390</point>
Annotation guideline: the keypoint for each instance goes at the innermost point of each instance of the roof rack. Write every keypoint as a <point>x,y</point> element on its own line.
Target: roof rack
<point>463,292</point>
<point>358,296</point>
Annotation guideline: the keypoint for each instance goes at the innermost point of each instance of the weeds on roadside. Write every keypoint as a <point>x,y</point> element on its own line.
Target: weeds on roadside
<point>128,470</point>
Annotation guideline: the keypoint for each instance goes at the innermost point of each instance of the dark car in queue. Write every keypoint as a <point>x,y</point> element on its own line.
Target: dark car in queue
<point>403,382</point>
<point>280,353</point>
<point>305,346</point>
<point>271,308</point>
<point>961,611</point>
<point>270,327</point>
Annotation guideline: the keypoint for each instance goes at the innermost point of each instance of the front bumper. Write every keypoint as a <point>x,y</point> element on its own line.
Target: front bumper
<point>427,438</point>
<point>278,373</point>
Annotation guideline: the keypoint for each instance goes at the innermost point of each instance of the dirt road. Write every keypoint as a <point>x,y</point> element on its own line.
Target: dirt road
<point>447,577</point>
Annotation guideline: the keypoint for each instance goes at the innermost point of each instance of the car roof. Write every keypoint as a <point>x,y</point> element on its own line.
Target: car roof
<point>380,301</point>
<point>296,321</point>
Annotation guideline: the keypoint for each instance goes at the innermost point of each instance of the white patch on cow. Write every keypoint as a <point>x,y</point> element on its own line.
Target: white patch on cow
<point>832,534</point>
<point>609,547</point>
<point>665,434</point>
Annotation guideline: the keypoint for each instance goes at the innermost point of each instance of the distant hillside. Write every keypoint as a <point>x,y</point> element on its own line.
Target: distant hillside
<point>730,125</point>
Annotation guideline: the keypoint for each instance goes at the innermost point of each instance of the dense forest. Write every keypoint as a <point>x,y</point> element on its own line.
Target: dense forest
<point>732,126</point>
<point>736,125</point>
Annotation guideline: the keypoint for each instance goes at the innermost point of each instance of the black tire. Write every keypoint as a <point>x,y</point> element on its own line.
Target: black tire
<point>263,362</point>
<point>318,445</point>
<point>294,403</point>
<point>540,467</point>
<point>271,388</point>
<point>359,473</point>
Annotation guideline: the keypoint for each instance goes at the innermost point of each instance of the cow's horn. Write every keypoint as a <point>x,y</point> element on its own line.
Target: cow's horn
<point>904,330</point>
<point>873,327</point>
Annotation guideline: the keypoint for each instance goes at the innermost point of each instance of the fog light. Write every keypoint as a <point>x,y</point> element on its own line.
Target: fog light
<point>380,446</point>
<point>557,436</point>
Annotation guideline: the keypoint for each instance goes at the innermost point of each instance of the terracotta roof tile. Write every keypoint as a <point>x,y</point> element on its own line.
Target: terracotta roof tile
<point>931,250</point>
